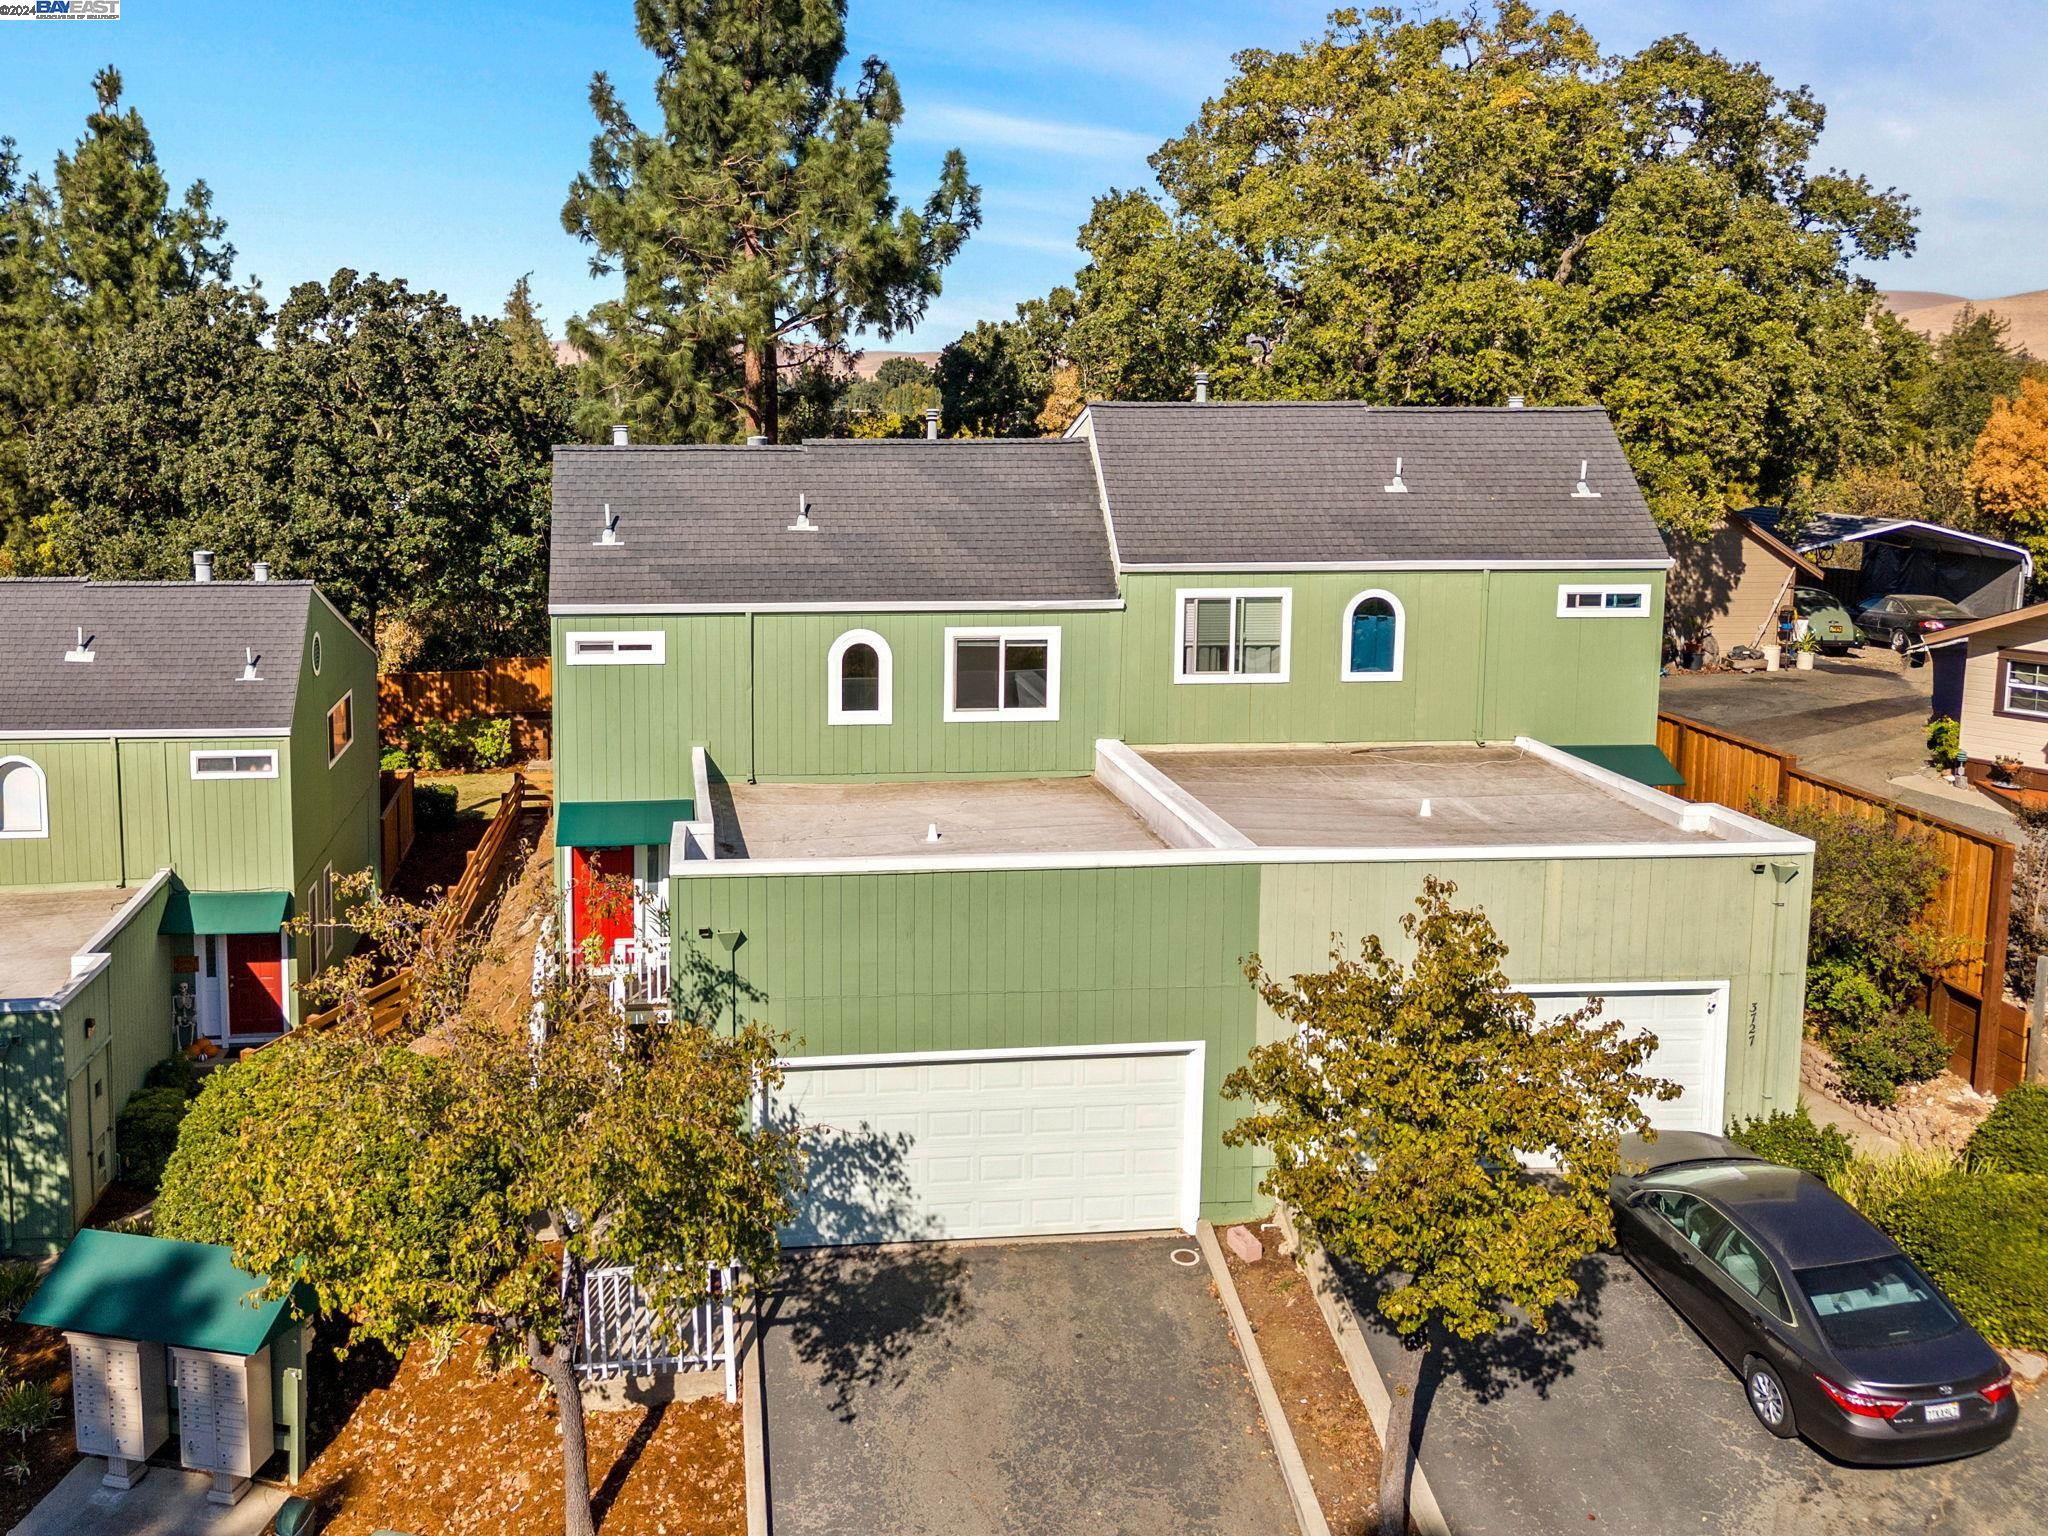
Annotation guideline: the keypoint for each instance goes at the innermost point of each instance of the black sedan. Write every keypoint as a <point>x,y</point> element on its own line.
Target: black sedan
<point>1838,1336</point>
<point>1906,619</point>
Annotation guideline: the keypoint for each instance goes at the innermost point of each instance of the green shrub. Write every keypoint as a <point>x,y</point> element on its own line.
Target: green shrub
<point>1843,996</point>
<point>1874,1060</point>
<point>147,1129</point>
<point>178,1071</point>
<point>435,745</point>
<point>395,760</point>
<point>1984,1239</point>
<point>18,1281</point>
<point>486,744</point>
<point>1791,1137</point>
<point>27,1408</point>
<point>2014,1138</point>
<point>433,806</point>
<point>1875,1184</point>
<point>1944,742</point>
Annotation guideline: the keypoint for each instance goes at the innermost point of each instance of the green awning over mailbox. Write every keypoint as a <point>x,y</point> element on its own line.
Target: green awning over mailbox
<point>122,1285</point>
<point>618,823</point>
<point>224,911</point>
<point>1645,764</point>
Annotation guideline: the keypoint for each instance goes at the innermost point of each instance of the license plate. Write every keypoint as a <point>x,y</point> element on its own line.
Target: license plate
<point>1938,1413</point>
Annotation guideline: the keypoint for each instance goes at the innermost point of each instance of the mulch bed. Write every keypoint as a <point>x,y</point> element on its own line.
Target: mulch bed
<point>1331,1428</point>
<point>452,1447</point>
<point>26,1355</point>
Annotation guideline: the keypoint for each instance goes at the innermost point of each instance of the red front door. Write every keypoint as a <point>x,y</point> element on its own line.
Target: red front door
<point>255,984</point>
<point>600,906</point>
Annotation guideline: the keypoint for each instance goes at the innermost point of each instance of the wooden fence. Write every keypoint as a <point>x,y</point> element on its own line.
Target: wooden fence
<point>1987,1033</point>
<point>516,688</point>
<point>465,902</point>
<point>397,820</point>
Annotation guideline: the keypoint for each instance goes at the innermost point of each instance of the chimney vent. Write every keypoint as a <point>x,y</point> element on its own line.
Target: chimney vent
<point>803,523</point>
<point>1201,386</point>
<point>621,438</point>
<point>757,440</point>
<point>249,672</point>
<point>202,565</point>
<point>80,652</point>
<point>1583,489</point>
<point>1514,402</point>
<point>610,533</point>
<point>931,422</point>
<point>1397,485</point>
<point>260,571</point>
<point>932,834</point>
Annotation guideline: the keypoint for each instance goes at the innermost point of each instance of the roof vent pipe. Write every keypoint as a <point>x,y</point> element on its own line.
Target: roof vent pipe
<point>803,523</point>
<point>202,565</point>
<point>932,833</point>
<point>1514,402</point>
<point>1396,485</point>
<point>249,672</point>
<point>621,438</point>
<point>1201,386</point>
<point>610,533</point>
<point>260,571</point>
<point>81,651</point>
<point>1583,489</point>
<point>931,423</point>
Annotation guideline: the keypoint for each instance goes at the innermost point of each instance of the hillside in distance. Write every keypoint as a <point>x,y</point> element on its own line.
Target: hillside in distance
<point>1931,314</point>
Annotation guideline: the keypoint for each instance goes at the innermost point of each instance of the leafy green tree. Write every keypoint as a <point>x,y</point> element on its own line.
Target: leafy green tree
<point>897,372</point>
<point>381,443</point>
<point>1445,208</point>
<point>1396,1107</point>
<point>524,330</point>
<point>1974,366</point>
<point>478,1181</point>
<point>759,211</point>
<point>83,257</point>
<point>992,382</point>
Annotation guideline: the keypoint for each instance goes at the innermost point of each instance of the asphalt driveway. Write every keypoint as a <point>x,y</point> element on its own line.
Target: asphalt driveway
<point>1622,1419</point>
<point>1019,1388</point>
<point>1860,718</point>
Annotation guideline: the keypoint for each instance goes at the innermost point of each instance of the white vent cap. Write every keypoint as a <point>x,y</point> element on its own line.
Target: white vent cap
<point>1397,485</point>
<point>1583,489</point>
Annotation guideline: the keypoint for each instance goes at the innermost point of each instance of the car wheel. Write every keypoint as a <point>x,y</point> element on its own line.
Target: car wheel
<point>1768,1399</point>
<point>1899,641</point>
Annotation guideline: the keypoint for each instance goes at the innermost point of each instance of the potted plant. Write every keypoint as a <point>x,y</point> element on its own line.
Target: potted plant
<point>1804,649</point>
<point>2005,770</point>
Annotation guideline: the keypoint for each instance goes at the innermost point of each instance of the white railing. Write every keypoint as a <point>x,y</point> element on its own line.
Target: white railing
<point>637,976</point>
<point>622,1334</point>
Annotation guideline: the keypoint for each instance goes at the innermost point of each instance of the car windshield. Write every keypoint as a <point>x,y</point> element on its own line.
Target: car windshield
<point>1808,601</point>
<point>1875,1302</point>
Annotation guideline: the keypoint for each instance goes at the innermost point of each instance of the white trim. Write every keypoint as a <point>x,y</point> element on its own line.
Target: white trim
<point>1345,674</point>
<point>1570,589</point>
<point>655,639</point>
<point>1704,816</point>
<point>1182,596</point>
<point>318,651</point>
<point>885,675</point>
<point>268,752</point>
<point>1076,428</point>
<point>342,618</point>
<point>2005,702</point>
<point>1195,1050</point>
<point>42,782</point>
<point>992,605</point>
<point>323,927</point>
<point>1050,637</point>
<point>1209,568</point>
<point>1175,817</point>
<point>264,733</point>
<point>348,698</point>
<point>697,839</point>
<point>1717,988</point>
<point>2026,557</point>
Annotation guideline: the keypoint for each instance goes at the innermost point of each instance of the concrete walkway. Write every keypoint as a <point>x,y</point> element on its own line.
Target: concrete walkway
<point>167,1502</point>
<point>1868,1139</point>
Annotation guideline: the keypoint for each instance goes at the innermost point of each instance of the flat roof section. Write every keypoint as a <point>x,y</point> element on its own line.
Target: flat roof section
<point>1373,797</point>
<point>995,816</point>
<point>45,927</point>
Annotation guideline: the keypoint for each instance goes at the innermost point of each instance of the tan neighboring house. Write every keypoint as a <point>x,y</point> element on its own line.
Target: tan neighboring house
<point>1992,678</point>
<point>1728,587</point>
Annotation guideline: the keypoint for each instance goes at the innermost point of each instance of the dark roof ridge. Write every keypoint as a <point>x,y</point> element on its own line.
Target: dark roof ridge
<point>1335,405</point>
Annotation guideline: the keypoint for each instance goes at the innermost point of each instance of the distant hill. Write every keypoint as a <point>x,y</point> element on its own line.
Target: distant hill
<point>1899,300</point>
<point>2027,313</point>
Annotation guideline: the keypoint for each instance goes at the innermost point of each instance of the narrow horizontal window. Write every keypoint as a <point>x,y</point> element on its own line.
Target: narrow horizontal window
<point>1603,602</point>
<point>234,765</point>
<point>618,648</point>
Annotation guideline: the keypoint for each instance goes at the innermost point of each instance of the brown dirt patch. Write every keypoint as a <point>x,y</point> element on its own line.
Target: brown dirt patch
<point>453,1448</point>
<point>35,1466</point>
<point>1331,1428</point>
<point>501,986</point>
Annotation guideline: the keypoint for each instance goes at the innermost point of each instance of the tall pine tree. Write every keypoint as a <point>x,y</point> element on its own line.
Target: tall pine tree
<point>758,211</point>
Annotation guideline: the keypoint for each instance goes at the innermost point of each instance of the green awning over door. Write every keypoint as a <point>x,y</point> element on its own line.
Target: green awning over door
<point>1645,764</point>
<point>224,911</point>
<point>618,823</point>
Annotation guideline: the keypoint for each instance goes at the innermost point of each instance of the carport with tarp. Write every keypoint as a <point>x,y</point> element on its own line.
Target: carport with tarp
<point>1871,557</point>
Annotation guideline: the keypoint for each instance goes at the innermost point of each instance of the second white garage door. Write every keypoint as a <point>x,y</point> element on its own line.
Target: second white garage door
<point>1690,1021</point>
<point>989,1144</point>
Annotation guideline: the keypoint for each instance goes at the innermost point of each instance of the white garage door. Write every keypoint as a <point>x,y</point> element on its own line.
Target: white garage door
<point>981,1144</point>
<point>1690,1022</point>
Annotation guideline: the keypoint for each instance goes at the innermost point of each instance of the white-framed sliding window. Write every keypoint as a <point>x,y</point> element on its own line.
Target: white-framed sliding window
<point>1630,601</point>
<point>618,648</point>
<point>1374,640</point>
<point>234,765</point>
<point>1232,634</point>
<point>859,680</point>
<point>1001,673</point>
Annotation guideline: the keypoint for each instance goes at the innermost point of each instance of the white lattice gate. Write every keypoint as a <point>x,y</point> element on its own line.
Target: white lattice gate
<point>623,1335</point>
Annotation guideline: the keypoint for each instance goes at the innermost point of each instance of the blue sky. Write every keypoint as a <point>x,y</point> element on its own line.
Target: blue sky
<point>435,140</point>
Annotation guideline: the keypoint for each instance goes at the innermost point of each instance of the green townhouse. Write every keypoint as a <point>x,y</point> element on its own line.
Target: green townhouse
<point>183,766</point>
<point>979,767</point>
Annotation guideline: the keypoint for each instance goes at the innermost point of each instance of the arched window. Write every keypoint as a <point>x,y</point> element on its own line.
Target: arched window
<point>1375,630</point>
<point>24,799</point>
<point>858,680</point>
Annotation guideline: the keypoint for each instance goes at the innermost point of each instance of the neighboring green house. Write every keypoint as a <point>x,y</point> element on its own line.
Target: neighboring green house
<point>988,762</point>
<point>183,766</point>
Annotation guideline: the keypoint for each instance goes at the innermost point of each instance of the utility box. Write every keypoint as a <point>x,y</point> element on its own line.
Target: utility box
<point>224,1418</point>
<point>120,1401</point>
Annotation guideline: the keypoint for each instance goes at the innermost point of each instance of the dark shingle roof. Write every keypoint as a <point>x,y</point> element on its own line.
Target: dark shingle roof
<point>1269,483</point>
<point>973,521</point>
<point>167,656</point>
